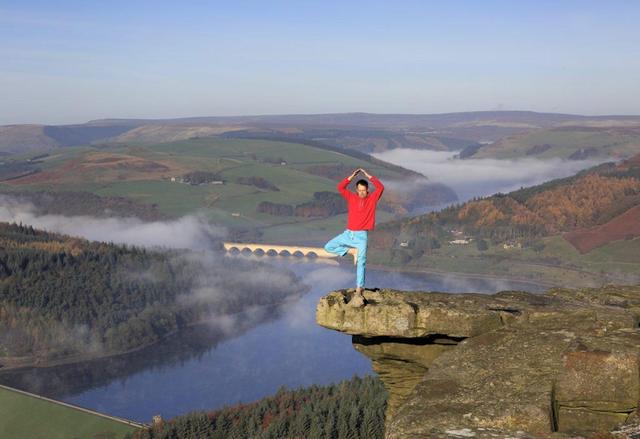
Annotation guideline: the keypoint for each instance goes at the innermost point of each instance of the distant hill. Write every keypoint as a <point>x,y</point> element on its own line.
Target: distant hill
<point>18,139</point>
<point>574,142</point>
<point>21,139</point>
<point>169,133</point>
<point>365,132</point>
<point>362,140</point>
<point>371,120</point>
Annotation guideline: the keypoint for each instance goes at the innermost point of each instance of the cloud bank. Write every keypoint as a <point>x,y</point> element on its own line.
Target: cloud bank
<point>481,177</point>
<point>213,282</point>
<point>188,232</point>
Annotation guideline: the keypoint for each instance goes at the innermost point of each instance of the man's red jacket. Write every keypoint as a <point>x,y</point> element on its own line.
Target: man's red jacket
<point>362,211</point>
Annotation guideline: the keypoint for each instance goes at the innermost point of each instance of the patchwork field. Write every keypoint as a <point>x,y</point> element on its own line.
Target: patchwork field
<point>154,175</point>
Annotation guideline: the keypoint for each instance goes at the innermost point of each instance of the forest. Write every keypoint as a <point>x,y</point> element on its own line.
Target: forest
<point>75,203</point>
<point>259,182</point>
<point>351,409</point>
<point>324,204</point>
<point>62,295</point>
<point>590,198</point>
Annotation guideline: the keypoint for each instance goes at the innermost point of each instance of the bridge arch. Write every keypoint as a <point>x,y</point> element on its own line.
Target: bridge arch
<point>277,249</point>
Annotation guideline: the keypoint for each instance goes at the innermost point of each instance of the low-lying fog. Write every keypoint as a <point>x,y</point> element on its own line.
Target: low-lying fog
<point>258,357</point>
<point>188,232</point>
<point>480,177</point>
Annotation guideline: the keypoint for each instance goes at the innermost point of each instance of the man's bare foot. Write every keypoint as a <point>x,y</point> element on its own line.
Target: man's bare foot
<point>353,252</point>
<point>358,299</point>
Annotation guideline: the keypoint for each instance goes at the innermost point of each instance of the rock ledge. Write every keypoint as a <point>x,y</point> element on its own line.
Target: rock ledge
<point>562,364</point>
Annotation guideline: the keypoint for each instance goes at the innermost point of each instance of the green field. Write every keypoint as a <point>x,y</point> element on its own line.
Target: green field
<point>230,204</point>
<point>24,416</point>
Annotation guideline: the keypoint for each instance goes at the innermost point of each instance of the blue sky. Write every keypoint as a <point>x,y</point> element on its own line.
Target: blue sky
<point>72,61</point>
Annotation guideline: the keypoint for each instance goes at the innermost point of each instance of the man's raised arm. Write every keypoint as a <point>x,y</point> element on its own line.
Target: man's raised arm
<point>342,186</point>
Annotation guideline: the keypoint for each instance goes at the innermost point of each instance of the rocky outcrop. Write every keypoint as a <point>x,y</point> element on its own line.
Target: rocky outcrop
<point>562,364</point>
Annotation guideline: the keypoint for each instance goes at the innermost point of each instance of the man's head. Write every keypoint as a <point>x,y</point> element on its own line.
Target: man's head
<point>362,188</point>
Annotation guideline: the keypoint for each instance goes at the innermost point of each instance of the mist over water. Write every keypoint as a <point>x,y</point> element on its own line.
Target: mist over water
<point>188,232</point>
<point>236,358</point>
<point>247,359</point>
<point>481,177</point>
<point>210,278</point>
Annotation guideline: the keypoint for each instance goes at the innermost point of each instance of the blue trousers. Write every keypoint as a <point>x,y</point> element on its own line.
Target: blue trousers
<point>351,239</point>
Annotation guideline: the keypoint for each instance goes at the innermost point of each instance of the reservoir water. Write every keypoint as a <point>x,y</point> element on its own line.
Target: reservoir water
<point>238,358</point>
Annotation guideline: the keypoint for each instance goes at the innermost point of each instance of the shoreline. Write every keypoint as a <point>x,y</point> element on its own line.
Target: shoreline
<point>541,283</point>
<point>607,279</point>
<point>83,358</point>
<point>31,362</point>
<point>480,276</point>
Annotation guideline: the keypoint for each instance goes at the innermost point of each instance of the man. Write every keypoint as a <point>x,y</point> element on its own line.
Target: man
<point>361,218</point>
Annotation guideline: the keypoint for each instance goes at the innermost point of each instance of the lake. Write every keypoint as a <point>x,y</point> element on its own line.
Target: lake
<point>236,359</point>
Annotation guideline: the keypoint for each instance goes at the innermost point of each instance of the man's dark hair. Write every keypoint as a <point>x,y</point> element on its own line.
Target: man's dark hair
<point>363,183</point>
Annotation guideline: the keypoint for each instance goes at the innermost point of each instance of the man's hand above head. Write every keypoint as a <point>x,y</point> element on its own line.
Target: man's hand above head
<point>354,174</point>
<point>366,174</point>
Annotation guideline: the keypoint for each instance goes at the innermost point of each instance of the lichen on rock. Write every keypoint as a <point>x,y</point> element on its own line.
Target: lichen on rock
<point>562,364</point>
